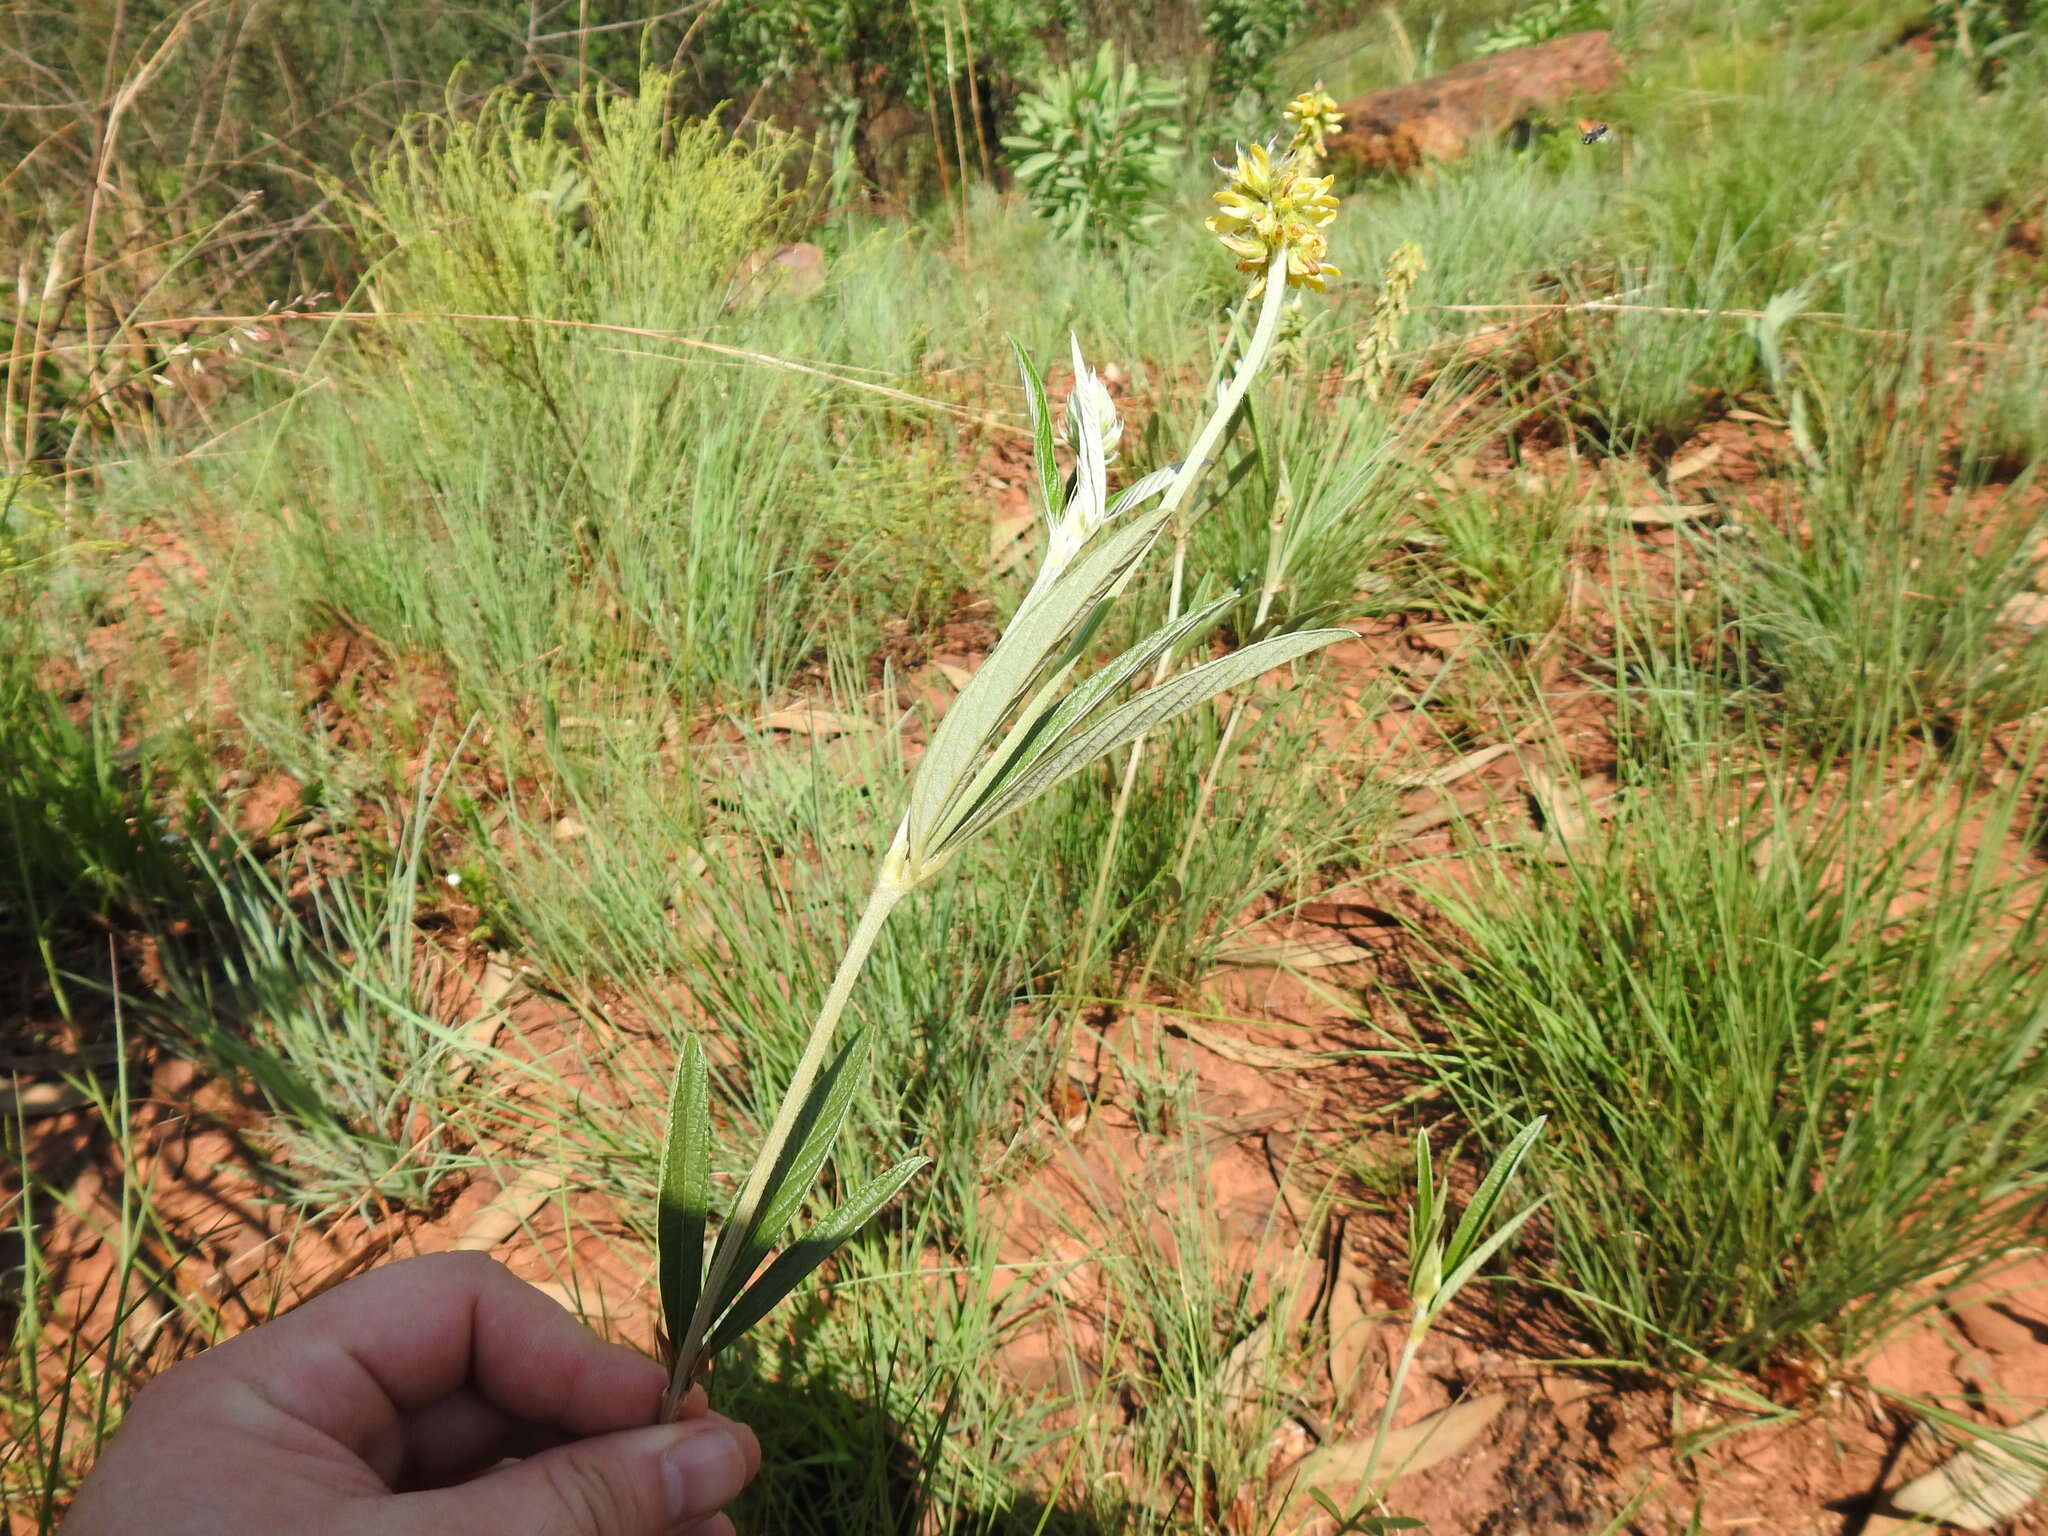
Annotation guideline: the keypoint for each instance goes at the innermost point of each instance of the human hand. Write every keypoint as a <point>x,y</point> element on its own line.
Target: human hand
<point>375,1407</point>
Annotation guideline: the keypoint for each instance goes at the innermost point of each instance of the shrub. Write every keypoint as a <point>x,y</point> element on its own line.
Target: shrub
<point>1247,36</point>
<point>1541,22</point>
<point>609,507</point>
<point>1095,145</point>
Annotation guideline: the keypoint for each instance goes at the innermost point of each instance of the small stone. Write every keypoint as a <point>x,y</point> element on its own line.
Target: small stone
<point>2026,611</point>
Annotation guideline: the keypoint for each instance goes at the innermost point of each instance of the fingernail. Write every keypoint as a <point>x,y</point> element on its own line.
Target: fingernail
<point>703,1473</point>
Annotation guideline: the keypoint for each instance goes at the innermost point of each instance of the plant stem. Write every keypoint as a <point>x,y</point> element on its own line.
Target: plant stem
<point>1176,496</point>
<point>1416,1329</point>
<point>1226,408</point>
<point>734,1235</point>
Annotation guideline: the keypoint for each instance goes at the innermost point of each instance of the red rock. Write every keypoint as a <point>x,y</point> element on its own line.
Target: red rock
<point>1446,116</point>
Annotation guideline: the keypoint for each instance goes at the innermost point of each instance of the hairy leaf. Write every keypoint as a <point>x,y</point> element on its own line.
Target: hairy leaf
<point>1087,740</point>
<point>813,1249</point>
<point>1038,641</point>
<point>1479,1210</point>
<point>797,1170</point>
<point>1051,489</point>
<point>1040,727</point>
<point>683,1205</point>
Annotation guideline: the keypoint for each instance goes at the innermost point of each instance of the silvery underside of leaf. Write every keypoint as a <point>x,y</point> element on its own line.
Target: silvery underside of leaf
<point>1017,730</point>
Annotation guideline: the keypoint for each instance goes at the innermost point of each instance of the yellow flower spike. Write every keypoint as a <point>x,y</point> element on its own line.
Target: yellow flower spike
<point>1271,205</point>
<point>1380,344</point>
<point>1313,115</point>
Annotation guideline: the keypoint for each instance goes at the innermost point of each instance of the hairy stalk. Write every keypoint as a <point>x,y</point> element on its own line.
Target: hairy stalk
<point>1416,1331</point>
<point>1176,499</point>
<point>733,1235</point>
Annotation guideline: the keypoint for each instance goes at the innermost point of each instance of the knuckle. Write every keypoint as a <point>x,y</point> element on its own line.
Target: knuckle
<point>467,1269</point>
<point>464,1261</point>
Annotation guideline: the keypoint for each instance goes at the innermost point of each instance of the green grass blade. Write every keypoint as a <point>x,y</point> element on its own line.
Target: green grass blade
<point>2025,1041</point>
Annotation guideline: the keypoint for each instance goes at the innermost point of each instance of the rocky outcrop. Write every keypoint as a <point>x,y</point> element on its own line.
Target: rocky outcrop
<point>1477,103</point>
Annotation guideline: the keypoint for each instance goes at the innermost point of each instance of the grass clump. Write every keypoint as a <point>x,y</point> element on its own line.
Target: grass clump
<point>539,505</point>
<point>90,829</point>
<point>305,993</point>
<point>1788,1038</point>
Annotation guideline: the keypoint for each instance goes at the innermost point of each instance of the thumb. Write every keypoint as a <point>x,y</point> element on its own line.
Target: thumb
<point>638,1482</point>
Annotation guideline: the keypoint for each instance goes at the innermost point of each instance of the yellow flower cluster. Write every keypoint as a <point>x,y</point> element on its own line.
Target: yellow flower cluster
<point>1314,117</point>
<point>1271,205</point>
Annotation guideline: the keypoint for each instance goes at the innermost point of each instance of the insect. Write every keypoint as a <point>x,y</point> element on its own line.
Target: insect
<point>1591,133</point>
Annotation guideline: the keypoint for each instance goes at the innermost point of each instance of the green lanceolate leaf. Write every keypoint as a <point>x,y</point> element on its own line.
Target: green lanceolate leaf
<point>1087,740</point>
<point>1041,711</point>
<point>1105,682</point>
<point>1051,489</point>
<point>807,1253</point>
<point>1041,726</point>
<point>1141,490</point>
<point>1425,1223</point>
<point>1037,641</point>
<point>1467,1252</point>
<point>1454,1282</point>
<point>797,1172</point>
<point>1479,1210</point>
<point>684,1204</point>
